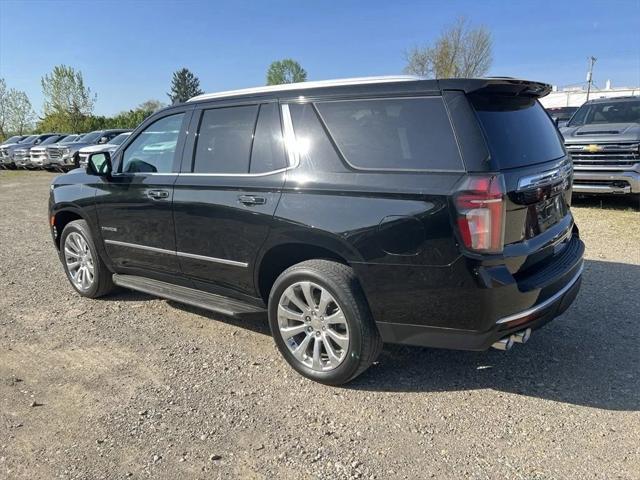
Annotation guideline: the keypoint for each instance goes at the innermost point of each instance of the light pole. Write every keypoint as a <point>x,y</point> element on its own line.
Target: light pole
<point>592,60</point>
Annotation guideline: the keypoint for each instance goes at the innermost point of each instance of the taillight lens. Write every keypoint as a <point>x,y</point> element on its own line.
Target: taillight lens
<point>480,206</point>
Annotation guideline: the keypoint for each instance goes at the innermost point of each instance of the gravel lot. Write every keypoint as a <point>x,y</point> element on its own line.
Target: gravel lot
<point>137,387</point>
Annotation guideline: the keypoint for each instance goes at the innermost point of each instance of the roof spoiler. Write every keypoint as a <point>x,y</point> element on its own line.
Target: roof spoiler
<point>498,85</point>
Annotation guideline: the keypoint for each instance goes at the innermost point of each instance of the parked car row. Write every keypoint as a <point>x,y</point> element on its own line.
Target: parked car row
<point>57,151</point>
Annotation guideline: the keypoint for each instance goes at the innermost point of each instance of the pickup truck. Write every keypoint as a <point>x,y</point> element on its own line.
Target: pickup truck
<point>603,138</point>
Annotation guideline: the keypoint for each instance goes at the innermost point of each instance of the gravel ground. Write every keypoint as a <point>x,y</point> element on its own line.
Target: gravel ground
<point>137,387</point>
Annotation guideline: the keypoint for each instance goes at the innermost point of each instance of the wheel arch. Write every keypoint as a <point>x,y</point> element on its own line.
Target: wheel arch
<point>61,218</point>
<point>278,258</point>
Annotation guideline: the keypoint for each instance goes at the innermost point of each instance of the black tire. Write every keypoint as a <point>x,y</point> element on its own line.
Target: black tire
<point>102,283</point>
<point>340,281</point>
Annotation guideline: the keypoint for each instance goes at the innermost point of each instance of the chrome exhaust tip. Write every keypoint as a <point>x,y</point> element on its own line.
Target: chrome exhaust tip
<point>522,336</point>
<point>504,344</point>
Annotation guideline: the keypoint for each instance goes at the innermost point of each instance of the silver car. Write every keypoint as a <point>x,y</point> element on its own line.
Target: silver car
<point>603,138</point>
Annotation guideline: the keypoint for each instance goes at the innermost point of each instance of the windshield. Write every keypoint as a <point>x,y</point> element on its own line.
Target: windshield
<point>50,140</point>
<point>14,139</point>
<point>607,112</point>
<point>518,130</point>
<point>91,137</point>
<point>119,139</point>
<point>29,139</point>
<point>69,139</point>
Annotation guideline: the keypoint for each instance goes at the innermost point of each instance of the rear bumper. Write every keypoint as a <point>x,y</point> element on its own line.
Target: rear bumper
<point>446,311</point>
<point>533,318</point>
<point>585,181</point>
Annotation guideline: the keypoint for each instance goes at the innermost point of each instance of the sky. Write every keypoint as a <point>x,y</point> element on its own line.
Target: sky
<point>127,50</point>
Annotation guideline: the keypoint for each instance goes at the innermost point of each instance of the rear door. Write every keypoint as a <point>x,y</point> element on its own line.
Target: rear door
<point>134,205</point>
<point>227,193</point>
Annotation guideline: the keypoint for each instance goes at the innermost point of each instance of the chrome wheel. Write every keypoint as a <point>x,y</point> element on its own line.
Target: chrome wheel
<point>313,326</point>
<point>79,261</point>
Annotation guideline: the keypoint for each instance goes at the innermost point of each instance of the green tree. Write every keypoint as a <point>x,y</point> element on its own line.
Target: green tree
<point>21,114</point>
<point>16,113</point>
<point>459,52</point>
<point>285,71</point>
<point>67,98</point>
<point>184,85</point>
<point>4,109</point>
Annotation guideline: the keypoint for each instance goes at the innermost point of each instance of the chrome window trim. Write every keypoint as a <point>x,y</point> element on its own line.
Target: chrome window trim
<point>290,137</point>
<point>192,174</point>
<point>176,253</point>
<point>546,303</point>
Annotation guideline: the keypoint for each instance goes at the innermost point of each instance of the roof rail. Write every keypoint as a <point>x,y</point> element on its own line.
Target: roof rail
<point>307,85</point>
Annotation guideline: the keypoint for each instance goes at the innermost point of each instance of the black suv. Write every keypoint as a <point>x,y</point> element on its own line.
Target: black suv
<point>357,212</point>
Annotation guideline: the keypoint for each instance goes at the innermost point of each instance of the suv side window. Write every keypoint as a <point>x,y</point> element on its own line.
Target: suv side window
<point>393,133</point>
<point>267,154</point>
<point>153,150</point>
<point>311,141</point>
<point>224,140</point>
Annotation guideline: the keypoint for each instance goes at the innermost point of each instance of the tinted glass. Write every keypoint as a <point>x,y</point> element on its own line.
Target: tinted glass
<point>518,130</point>
<point>29,139</point>
<point>311,141</point>
<point>268,146</point>
<point>394,134</point>
<point>607,112</point>
<point>154,148</point>
<point>224,140</point>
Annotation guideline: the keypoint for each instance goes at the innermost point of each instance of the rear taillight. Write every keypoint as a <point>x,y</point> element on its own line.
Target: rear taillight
<point>480,206</point>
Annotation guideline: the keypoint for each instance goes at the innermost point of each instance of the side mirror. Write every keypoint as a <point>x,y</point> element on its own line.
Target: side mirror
<point>99,164</point>
<point>103,140</point>
<point>556,120</point>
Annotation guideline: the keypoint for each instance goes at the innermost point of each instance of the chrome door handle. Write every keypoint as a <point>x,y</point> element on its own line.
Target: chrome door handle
<point>158,194</point>
<point>252,200</point>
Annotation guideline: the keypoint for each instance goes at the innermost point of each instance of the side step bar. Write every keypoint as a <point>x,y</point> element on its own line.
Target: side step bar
<point>190,296</point>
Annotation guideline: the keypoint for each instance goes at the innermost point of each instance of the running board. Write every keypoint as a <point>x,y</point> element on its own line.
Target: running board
<point>190,296</point>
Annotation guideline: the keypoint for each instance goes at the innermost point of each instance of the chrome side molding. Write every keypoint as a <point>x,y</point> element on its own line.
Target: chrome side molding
<point>176,253</point>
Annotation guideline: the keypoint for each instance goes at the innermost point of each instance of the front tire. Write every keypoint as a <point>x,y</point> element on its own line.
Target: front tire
<point>321,323</point>
<point>86,271</point>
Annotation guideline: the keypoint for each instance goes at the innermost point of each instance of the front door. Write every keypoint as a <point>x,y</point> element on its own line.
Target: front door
<point>226,195</point>
<point>134,205</point>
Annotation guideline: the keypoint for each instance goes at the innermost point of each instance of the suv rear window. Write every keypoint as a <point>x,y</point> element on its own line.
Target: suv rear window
<point>393,134</point>
<point>518,130</point>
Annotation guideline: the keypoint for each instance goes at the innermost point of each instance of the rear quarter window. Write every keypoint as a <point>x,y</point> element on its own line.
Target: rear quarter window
<point>393,134</point>
<point>517,129</point>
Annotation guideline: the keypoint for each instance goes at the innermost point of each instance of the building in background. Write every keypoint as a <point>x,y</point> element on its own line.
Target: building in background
<point>576,96</point>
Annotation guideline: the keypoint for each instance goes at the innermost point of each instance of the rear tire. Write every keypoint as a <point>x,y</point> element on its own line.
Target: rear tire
<point>321,323</point>
<point>86,271</point>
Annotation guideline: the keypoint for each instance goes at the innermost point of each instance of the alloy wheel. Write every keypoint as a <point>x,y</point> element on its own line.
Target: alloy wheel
<point>313,326</point>
<point>79,261</point>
